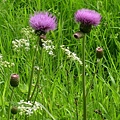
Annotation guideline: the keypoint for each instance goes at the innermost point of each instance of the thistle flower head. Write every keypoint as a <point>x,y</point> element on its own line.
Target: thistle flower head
<point>43,22</point>
<point>88,17</point>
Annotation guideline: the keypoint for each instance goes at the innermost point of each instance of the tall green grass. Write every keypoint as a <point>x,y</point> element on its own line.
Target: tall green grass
<point>61,82</point>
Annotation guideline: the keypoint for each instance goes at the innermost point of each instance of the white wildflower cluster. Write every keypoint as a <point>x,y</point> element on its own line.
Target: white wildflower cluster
<point>27,32</point>
<point>70,54</point>
<point>48,46</point>
<point>5,63</point>
<point>29,107</point>
<point>20,44</point>
<point>1,57</point>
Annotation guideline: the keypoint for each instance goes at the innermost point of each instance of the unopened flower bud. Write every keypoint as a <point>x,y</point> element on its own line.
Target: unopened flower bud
<point>14,80</point>
<point>78,35</point>
<point>14,110</point>
<point>99,52</point>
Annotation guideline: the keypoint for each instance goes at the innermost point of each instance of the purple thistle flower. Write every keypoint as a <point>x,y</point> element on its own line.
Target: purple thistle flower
<point>43,22</point>
<point>88,17</point>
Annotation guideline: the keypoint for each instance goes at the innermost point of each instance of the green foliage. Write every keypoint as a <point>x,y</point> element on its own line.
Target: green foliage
<point>60,90</point>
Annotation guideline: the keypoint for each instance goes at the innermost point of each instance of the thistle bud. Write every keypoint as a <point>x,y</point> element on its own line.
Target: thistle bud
<point>99,52</point>
<point>14,80</point>
<point>14,110</point>
<point>78,35</point>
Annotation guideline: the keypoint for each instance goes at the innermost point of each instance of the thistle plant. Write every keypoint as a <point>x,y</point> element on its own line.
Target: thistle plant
<point>99,56</point>
<point>87,18</point>
<point>42,23</point>
<point>14,82</point>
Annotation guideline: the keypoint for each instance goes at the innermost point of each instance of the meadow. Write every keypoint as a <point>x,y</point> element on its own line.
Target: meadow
<point>59,76</point>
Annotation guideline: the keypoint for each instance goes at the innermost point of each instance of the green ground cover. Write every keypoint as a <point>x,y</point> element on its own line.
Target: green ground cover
<point>60,80</point>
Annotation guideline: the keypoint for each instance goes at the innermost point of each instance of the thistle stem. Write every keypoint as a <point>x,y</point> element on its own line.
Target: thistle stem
<point>31,77</point>
<point>76,105</point>
<point>32,71</point>
<point>36,96</point>
<point>38,75</point>
<point>10,103</point>
<point>84,81</point>
<point>36,85</point>
<point>94,76</point>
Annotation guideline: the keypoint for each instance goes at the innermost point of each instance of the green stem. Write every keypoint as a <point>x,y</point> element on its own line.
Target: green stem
<point>31,77</point>
<point>38,75</point>
<point>36,96</point>
<point>36,85</point>
<point>76,105</point>
<point>32,71</point>
<point>83,79</point>
<point>10,103</point>
<point>94,75</point>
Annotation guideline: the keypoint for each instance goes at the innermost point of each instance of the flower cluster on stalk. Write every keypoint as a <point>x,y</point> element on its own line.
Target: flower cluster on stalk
<point>21,44</point>
<point>29,107</point>
<point>28,33</point>
<point>70,54</point>
<point>5,63</point>
<point>48,46</point>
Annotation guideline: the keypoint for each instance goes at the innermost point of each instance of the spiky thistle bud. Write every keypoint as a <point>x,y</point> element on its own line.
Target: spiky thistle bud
<point>14,110</point>
<point>14,80</point>
<point>78,35</point>
<point>99,52</point>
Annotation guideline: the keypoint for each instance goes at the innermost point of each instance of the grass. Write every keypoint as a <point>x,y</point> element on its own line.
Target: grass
<point>60,90</point>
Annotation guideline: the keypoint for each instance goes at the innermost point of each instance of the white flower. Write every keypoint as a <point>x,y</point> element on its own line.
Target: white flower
<point>70,54</point>
<point>51,53</point>
<point>28,107</point>
<point>48,46</point>
<point>1,57</point>
<point>27,44</point>
<point>21,44</point>
<point>27,32</point>
<point>6,64</point>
